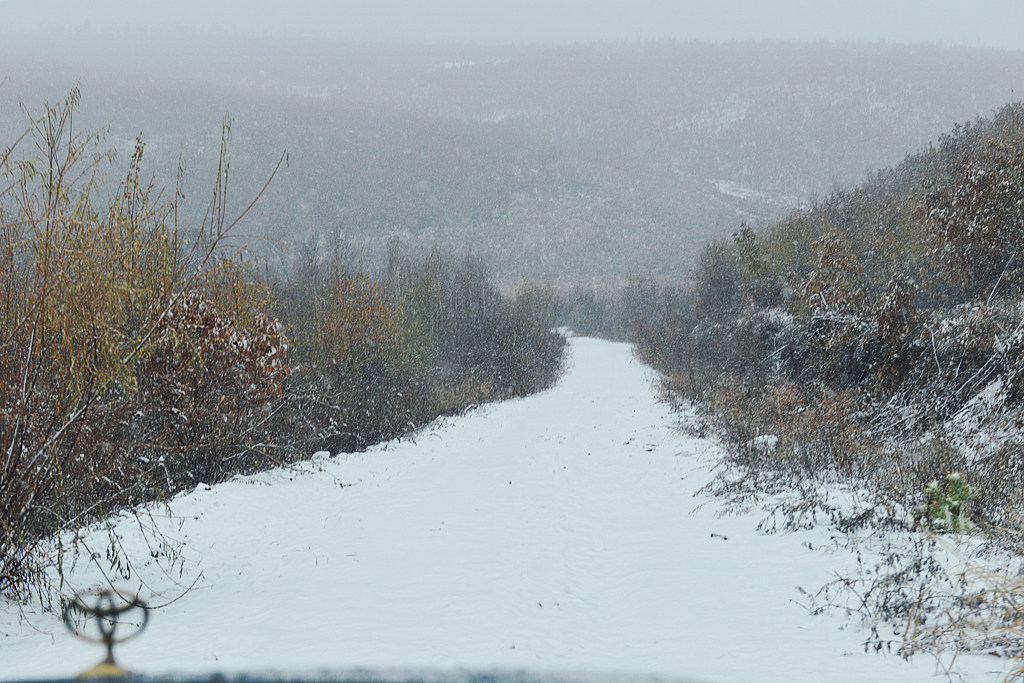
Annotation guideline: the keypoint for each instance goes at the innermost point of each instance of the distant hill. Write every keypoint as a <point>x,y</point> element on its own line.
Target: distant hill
<point>594,162</point>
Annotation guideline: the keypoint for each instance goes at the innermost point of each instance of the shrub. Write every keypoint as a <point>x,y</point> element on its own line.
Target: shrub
<point>109,360</point>
<point>977,219</point>
<point>76,310</point>
<point>948,507</point>
<point>207,387</point>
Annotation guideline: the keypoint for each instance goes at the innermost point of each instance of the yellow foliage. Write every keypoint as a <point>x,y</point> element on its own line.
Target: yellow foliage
<point>84,286</point>
<point>361,327</point>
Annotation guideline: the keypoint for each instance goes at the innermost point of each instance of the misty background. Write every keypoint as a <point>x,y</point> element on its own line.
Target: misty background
<point>563,141</point>
<point>977,23</point>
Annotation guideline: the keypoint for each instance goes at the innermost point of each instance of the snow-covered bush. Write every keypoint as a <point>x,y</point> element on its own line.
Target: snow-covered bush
<point>89,283</point>
<point>207,386</point>
<point>977,219</point>
<point>901,356</point>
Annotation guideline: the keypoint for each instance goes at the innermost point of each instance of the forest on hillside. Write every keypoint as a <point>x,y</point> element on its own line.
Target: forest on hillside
<point>571,164</point>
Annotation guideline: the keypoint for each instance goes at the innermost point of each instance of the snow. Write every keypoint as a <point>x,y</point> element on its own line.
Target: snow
<point>559,532</point>
<point>731,188</point>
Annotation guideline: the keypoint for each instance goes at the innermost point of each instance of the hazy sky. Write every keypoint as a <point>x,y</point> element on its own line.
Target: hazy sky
<point>987,23</point>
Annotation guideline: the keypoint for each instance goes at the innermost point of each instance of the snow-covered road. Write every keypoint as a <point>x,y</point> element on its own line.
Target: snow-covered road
<point>559,532</point>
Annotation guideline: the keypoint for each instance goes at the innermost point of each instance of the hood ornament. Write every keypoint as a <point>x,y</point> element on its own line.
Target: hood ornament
<point>105,611</point>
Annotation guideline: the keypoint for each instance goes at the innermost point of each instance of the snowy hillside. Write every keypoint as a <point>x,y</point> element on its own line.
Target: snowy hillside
<point>557,532</point>
<point>572,163</point>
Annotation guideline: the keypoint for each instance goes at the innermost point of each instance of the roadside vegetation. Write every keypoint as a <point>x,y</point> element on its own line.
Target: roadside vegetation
<point>876,339</point>
<point>140,357</point>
